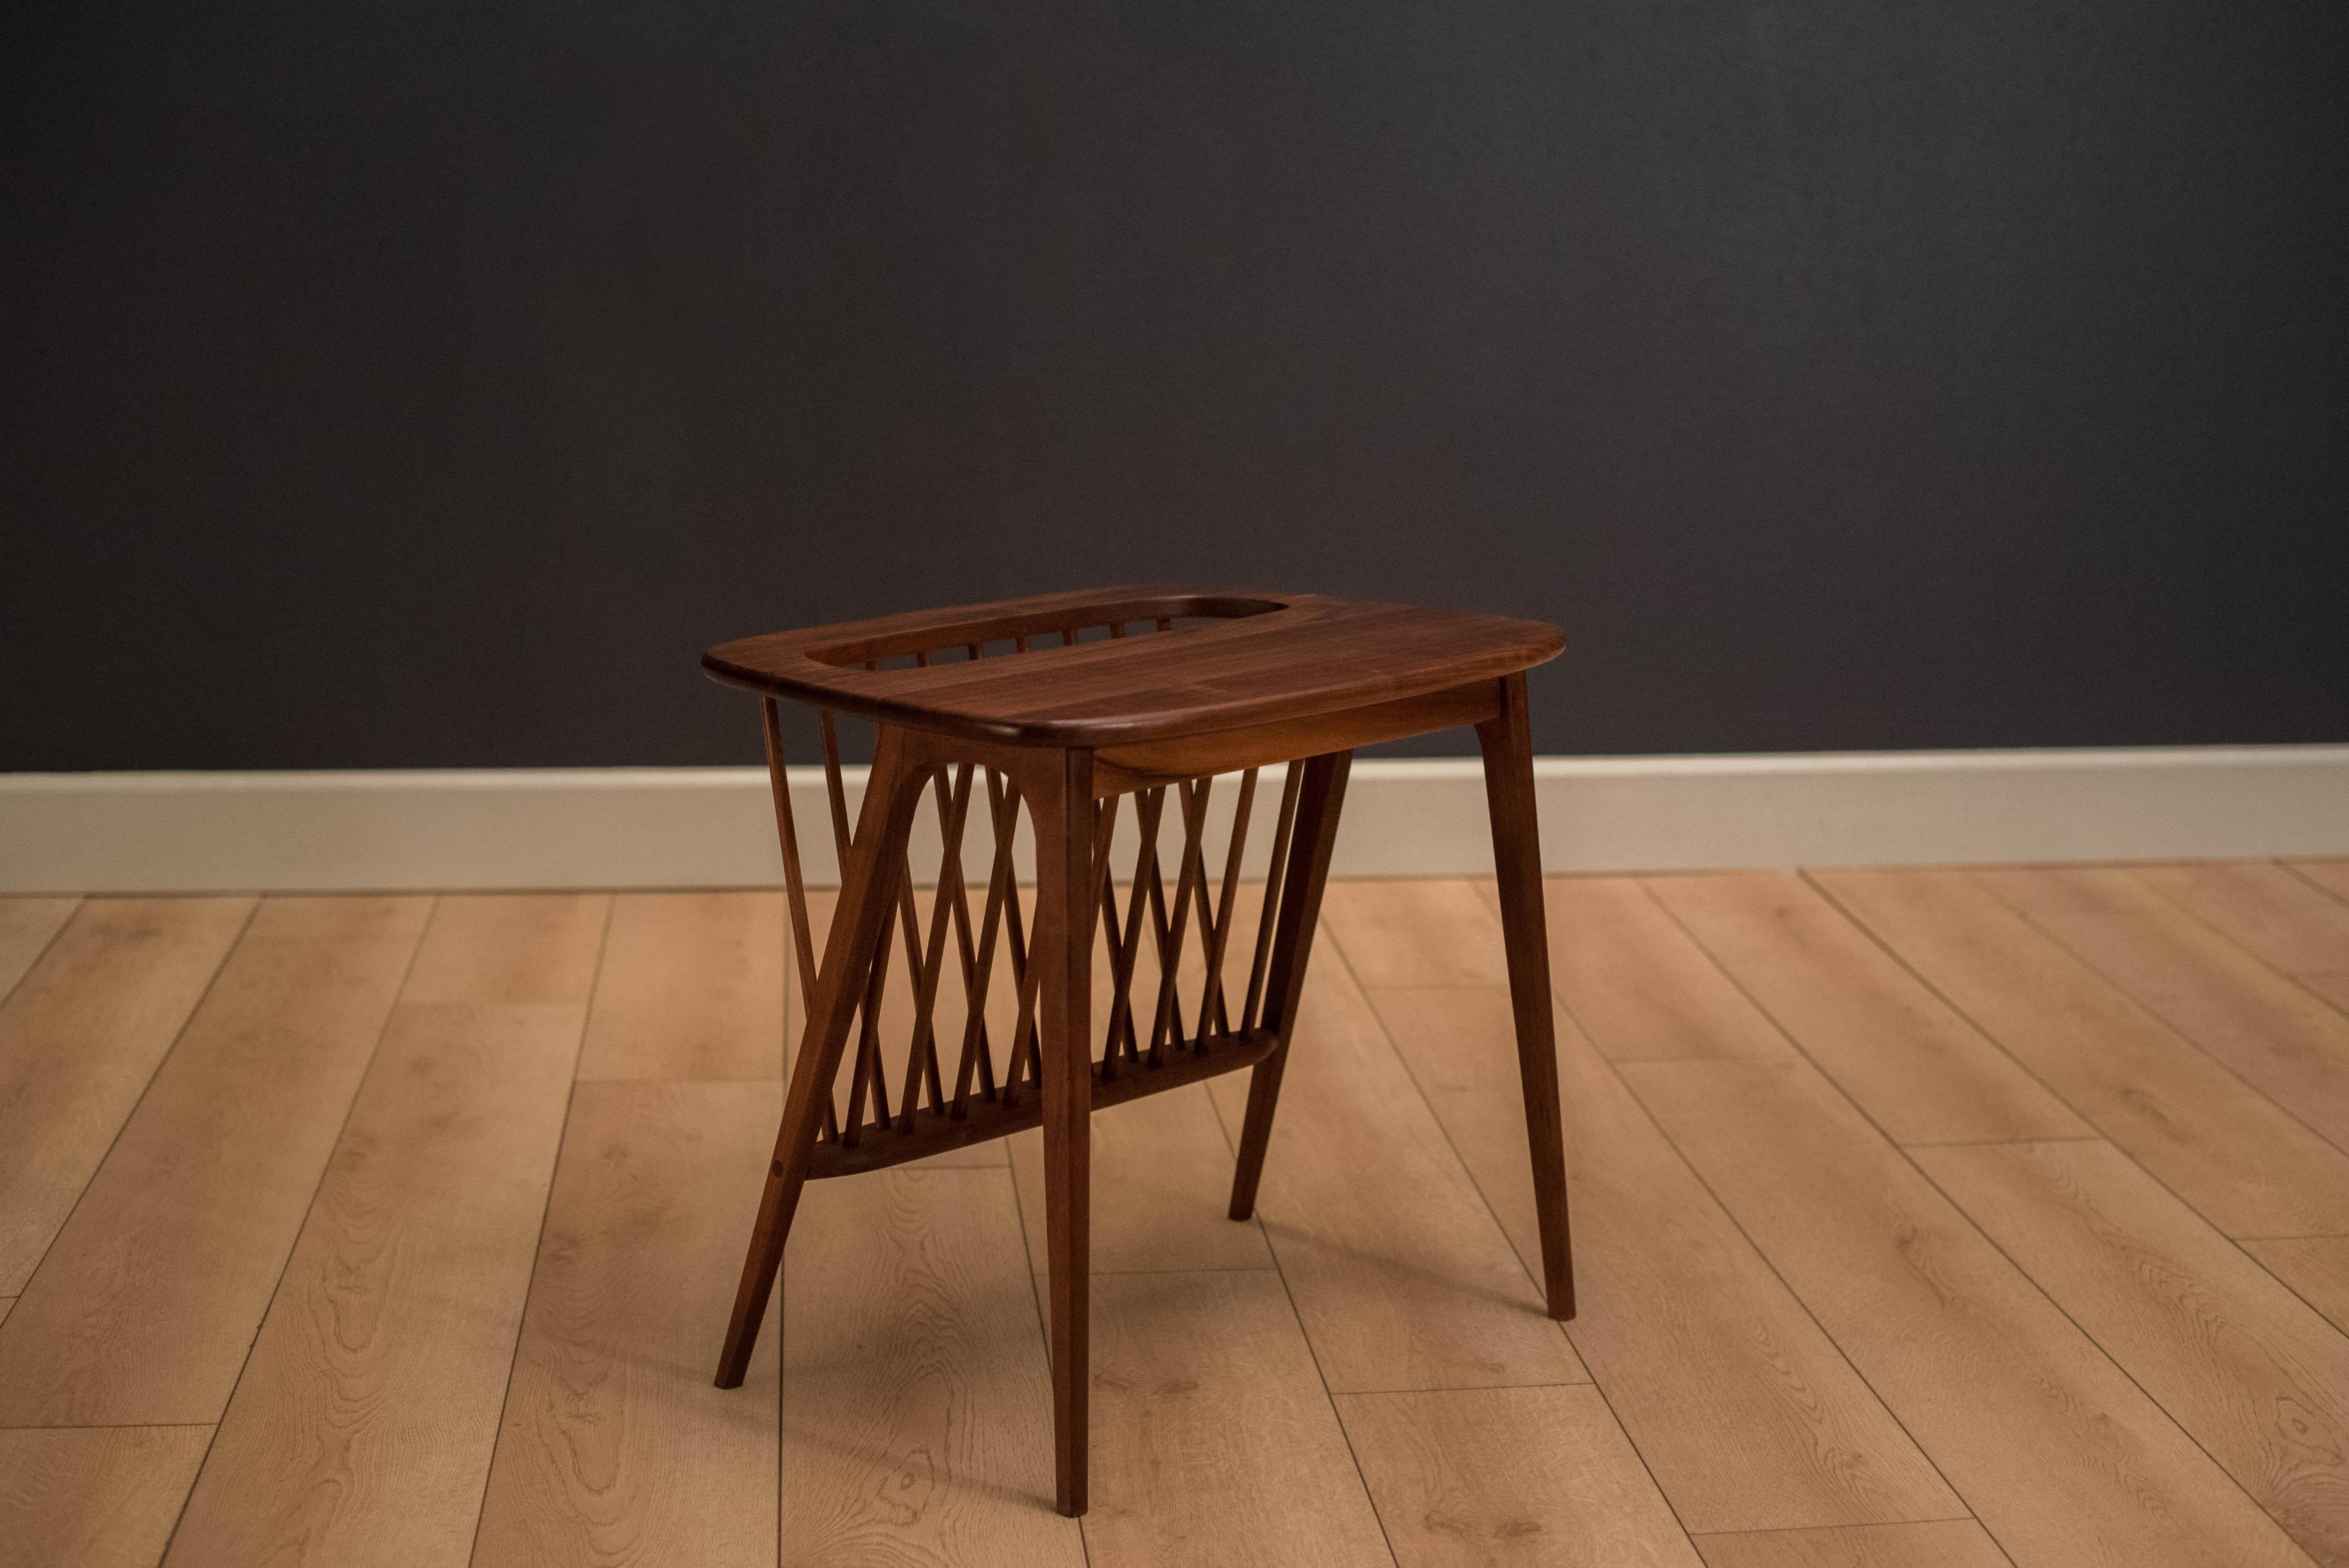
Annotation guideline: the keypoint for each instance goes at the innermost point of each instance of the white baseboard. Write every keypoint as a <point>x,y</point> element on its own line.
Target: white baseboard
<point>713,827</point>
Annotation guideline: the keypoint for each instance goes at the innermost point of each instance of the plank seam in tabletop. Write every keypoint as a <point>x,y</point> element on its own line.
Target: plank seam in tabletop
<point>538,1245</point>
<point>2098,971</point>
<point>2021,1271</point>
<point>1197,680</point>
<point>177,1035</point>
<point>1346,960</point>
<point>2199,918</point>
<point>1759,1251</point>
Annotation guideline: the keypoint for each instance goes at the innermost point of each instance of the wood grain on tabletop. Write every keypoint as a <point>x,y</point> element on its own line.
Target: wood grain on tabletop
<point>1304,655</point>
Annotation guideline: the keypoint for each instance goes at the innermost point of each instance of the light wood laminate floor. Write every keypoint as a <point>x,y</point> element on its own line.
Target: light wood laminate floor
<point>1922,1219</point>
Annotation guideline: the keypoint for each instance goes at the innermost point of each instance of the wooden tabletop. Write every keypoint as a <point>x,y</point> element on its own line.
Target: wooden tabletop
<point>1232,658</point>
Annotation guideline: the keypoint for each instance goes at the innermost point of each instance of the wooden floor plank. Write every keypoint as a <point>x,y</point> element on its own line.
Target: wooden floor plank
<point>79,1038</point>
<point>2221,1145</point>
<point>28,925</point>
<point>525,947</point>
<point>361,1430</point>
<point>1918,1069</point>
<point>1416,934</point>
<point>917,1397</point>
<point>1747,1414</point>
<point>1642,990</point>
<point>1162,1182</point>
<point>1949,1544</point>
<point>94,1497</point>
<point>142,1312</point>
<point>2283,1041</point>
<point>2060,1455</point>
<point>2248,1368</point>
<point>1510,1476</point>
<point>2333,876</point>
<point>615,1447</point>
<point>2315,1267</point>
<point>691,987</point>
<point>2295,927</point>
<point>1400,1272</point>
<point>1214,1443</point>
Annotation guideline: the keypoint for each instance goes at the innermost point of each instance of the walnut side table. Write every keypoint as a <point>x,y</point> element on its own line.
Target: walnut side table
<point>1069,703</point>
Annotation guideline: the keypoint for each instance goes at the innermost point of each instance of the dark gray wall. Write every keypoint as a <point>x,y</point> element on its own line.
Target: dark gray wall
<point>427,384</point>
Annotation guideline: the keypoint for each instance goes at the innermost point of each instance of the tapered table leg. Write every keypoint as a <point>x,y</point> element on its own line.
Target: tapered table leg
<point>1517,859</point>
<point>859,920</point>
<point>1065,892</point>
<point>1317,806</point>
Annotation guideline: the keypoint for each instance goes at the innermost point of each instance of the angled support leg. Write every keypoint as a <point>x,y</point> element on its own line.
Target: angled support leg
<point>867,898</point>
<point>1061,800</point>
<point>1517,859</point>
<point>1318,805</point>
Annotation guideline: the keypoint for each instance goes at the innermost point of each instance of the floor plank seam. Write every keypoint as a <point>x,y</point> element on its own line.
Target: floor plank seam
<point>1466,1170</point>
<point>1321,933</point>
<point>1970,1221</point>
<point>2293,868</point>
<point>2101,978</point>
<point>177,1035</point>
<point>1885,947</point>
<point>104,1425</point>
<point>546,1207</point>
<point>2010,1142</point>
<point>2232,940</point>
<point>324,1166</point>
<point>2223,1066</point>
<point>1961,1211</point>
<point>2115,1361</point>
<point>34,962</point>
<point>1739,1225</point>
